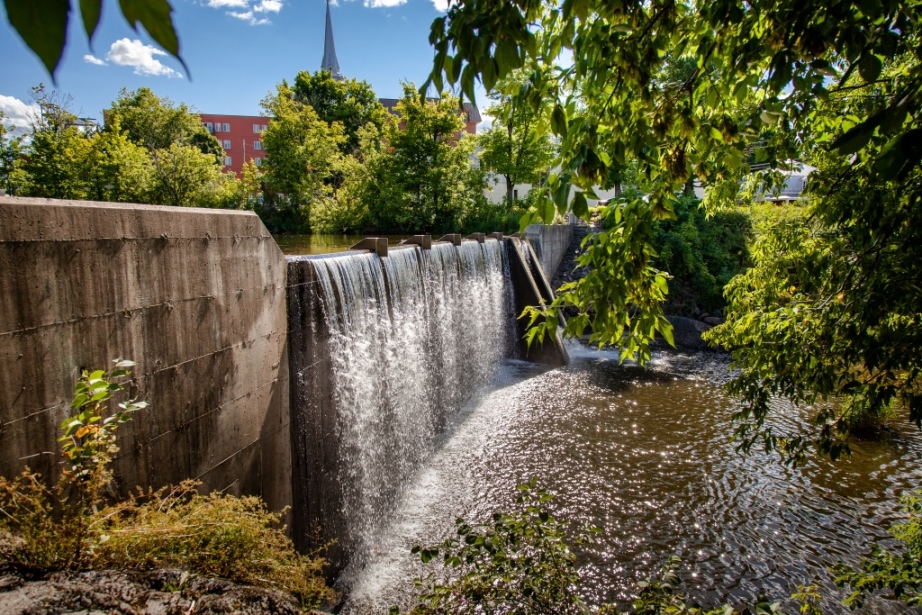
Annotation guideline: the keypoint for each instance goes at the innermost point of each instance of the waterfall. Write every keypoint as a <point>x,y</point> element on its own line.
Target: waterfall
<point>383,352</point>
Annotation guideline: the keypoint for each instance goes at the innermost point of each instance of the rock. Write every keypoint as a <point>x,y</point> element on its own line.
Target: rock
<point>165,592</point>
<point>713,320</point>
<point>687,333</point>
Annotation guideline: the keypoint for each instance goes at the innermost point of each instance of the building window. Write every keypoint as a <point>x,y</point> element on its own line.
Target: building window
<point>227,144</point>
<point>257,145</point>
<point>209,127</point>
<point>227,161</point>
<point>226,127</point>
<point>217,127</point>
<point>256,128</point>
<point>258,161</point>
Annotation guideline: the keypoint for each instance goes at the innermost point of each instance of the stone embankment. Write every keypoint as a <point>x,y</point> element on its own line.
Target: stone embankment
<point>160,592</point>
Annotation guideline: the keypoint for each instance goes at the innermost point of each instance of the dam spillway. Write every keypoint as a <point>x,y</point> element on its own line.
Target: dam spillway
<point>383,351</point>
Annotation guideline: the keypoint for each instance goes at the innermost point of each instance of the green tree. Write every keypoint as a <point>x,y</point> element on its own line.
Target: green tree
<point>303,158</point>
<point>831,310</point>
<point>185,176</point>
<point>423,178</point>
<point>57,149</point>
<point>12,177</point>
<point>116,169</point>
<point>350,102</point>
<point>513,147</point>
<point>156,123</point>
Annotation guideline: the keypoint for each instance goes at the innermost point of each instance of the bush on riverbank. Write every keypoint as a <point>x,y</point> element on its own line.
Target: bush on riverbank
<point>701,253</point>
<point>72,525</point>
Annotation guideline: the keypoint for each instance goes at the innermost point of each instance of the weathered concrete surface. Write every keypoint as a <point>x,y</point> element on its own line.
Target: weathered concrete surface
<point>550,243</point>
<point>531,288</point>
<point>315,437</point>
<point>195,296</point>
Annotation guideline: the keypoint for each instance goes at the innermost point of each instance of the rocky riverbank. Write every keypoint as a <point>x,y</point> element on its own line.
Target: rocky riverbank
<point>157,592</point>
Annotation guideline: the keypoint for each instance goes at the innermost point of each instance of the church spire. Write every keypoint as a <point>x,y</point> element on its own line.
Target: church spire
<point>330,62</point>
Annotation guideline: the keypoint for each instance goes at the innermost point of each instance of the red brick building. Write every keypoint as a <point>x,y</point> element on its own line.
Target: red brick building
<point>241,137</point>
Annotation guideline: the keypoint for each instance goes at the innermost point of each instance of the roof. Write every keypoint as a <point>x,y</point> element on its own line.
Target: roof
<point>470,110</point>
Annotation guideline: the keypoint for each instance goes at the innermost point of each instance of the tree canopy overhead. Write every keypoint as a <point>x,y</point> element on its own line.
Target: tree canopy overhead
<point>688,89</point>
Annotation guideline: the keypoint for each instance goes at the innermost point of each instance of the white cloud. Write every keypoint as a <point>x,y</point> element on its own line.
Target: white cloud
<point>441,5</point>
<point>139,56</point>
<point>247,10</point>
<point>94,60</point>
<point>17,114</point>
<point>248,17</point>
<point>374,4</point>
<point>268,6</point>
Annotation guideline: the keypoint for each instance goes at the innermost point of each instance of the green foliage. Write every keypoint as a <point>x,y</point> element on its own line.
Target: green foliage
<point>622,303</point>
<point>512,147</point>
<point>88,441</point>
<point>700,253</point>
<point>150,151</point>
<point>350,102</point>
<point>422,178</point>
<point>303,162</point>
<point>518,564</point>
<point>43,24</point>
<point>185,176</point>
<point>901,573</point>
<point>831,309</point>
<point>155,123</point>
<point>685,89</point>
<point>116,169</point>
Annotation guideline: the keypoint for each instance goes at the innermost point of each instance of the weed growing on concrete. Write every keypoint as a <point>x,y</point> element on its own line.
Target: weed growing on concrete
<point>73,526</point>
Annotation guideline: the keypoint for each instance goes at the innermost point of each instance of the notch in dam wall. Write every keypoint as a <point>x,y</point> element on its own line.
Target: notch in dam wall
<point>195,296</point>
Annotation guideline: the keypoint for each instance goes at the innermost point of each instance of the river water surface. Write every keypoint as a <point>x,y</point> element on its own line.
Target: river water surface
<point>647,456</point>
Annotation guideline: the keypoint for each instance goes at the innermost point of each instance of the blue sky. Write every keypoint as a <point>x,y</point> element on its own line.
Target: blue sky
<point>236,51</point>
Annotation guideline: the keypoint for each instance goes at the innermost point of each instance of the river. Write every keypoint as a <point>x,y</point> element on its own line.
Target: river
<point>648,457</point>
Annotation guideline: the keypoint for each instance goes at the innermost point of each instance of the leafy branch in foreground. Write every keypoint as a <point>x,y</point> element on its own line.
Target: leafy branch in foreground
<point>43,25</point>
<point>622,304</point>
<point>900,573</point>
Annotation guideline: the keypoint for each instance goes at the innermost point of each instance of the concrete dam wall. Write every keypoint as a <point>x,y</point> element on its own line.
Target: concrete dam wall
<point>217,318</point>
<point>196,297</point>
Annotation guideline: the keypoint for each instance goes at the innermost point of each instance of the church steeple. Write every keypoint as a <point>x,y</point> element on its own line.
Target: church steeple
<point>330,62</point>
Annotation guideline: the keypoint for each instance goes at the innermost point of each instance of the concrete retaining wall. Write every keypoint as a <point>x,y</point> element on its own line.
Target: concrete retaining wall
<point>550,243</point>
<point>197,297</point>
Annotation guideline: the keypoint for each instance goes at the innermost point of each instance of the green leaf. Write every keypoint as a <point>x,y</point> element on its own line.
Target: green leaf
<point>580,206</point>
<point>870,67</point>
<point>155,16</point>
<point>90,11</point>
<point>559,121</point>
<point>854,139</point>
<point>42,25</point>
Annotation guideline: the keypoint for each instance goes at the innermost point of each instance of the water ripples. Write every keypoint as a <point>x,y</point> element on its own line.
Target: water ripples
<point>648,457</point>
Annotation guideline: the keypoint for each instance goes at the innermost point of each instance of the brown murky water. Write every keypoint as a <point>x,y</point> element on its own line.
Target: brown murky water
<point>647,456</point>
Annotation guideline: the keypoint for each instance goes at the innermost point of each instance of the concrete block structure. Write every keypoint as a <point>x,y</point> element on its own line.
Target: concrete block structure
<point>197,297</point>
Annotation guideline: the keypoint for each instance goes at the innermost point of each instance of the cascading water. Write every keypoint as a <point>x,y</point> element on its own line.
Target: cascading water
<point>383,351</point>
